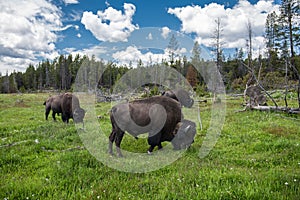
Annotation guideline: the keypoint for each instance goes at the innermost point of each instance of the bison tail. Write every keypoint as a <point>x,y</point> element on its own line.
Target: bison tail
<point>113,110</point>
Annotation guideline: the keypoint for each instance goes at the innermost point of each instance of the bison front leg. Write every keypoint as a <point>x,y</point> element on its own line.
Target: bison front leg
<point>65,118</point>
<point>53,115</point>
<point>153,141</point>
<point>151,148</point>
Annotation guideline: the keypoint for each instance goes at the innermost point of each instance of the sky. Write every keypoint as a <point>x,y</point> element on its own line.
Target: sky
<point>32,31</point>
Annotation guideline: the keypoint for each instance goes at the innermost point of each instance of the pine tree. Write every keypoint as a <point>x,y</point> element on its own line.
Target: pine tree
<point>271,30</point>
<point>288,29</point>
<point>196,54</point>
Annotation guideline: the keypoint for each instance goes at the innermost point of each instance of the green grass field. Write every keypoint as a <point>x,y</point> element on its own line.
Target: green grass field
<point>257,156</point>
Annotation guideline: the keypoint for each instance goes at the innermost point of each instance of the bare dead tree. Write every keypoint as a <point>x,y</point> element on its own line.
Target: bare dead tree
<point>249,44</point>
<point>217,44</point>
<point>286,83</point>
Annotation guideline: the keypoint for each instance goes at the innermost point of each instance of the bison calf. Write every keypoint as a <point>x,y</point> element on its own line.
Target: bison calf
<point>158,116</point>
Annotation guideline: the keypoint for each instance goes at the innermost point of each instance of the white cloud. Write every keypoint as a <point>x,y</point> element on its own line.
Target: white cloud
<point>110,25</point>
<point>165,32</point>
<point>201,20</point>
<point>97,51</point>
<point>149,37</point>
<point>27,31</point>
<point>132,54</point>
<point>71,1</point>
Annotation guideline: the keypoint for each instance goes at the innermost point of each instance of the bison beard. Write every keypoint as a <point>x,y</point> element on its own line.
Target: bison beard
<point>158,116</point>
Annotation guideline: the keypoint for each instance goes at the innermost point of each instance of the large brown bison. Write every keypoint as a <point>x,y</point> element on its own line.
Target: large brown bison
<point>159,116</point>
<point>67,104</point>
<point>180,95</point>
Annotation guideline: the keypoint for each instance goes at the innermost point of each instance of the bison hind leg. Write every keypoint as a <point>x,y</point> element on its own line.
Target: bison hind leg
<point>151,148</point>
<point>47,112</point>
<point>112,138</point>
<point>116,136</point>
<point>118,140</point>
<point>53,115</point>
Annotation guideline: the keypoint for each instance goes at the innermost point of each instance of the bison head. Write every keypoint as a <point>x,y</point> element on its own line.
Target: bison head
<point>78,115</point>
<point>185,132</point>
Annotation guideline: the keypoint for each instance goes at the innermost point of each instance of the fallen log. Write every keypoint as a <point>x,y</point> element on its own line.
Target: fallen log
<point>277,109</point>
<point>294,111</point>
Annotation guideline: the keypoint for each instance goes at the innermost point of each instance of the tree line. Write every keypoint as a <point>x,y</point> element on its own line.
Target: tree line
<point>60,74</point>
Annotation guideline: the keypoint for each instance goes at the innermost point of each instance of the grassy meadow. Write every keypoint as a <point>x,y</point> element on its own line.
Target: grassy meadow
<point>257,156</point>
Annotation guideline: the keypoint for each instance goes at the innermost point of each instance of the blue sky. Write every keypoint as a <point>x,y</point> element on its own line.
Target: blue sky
<point>36,30</point>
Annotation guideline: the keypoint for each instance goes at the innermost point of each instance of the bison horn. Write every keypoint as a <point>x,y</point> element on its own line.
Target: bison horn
<point>187,129</point>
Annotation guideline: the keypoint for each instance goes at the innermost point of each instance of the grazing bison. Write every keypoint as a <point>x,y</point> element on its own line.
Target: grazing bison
<point>158,116</point>
<point>53,103</point>
<point>67,104</point>
<point>71,108</point>
<point>180,95</point>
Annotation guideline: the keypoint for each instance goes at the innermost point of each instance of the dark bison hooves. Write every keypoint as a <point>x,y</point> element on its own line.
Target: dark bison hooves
<point>120,155</point>
<point>82,129</point>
